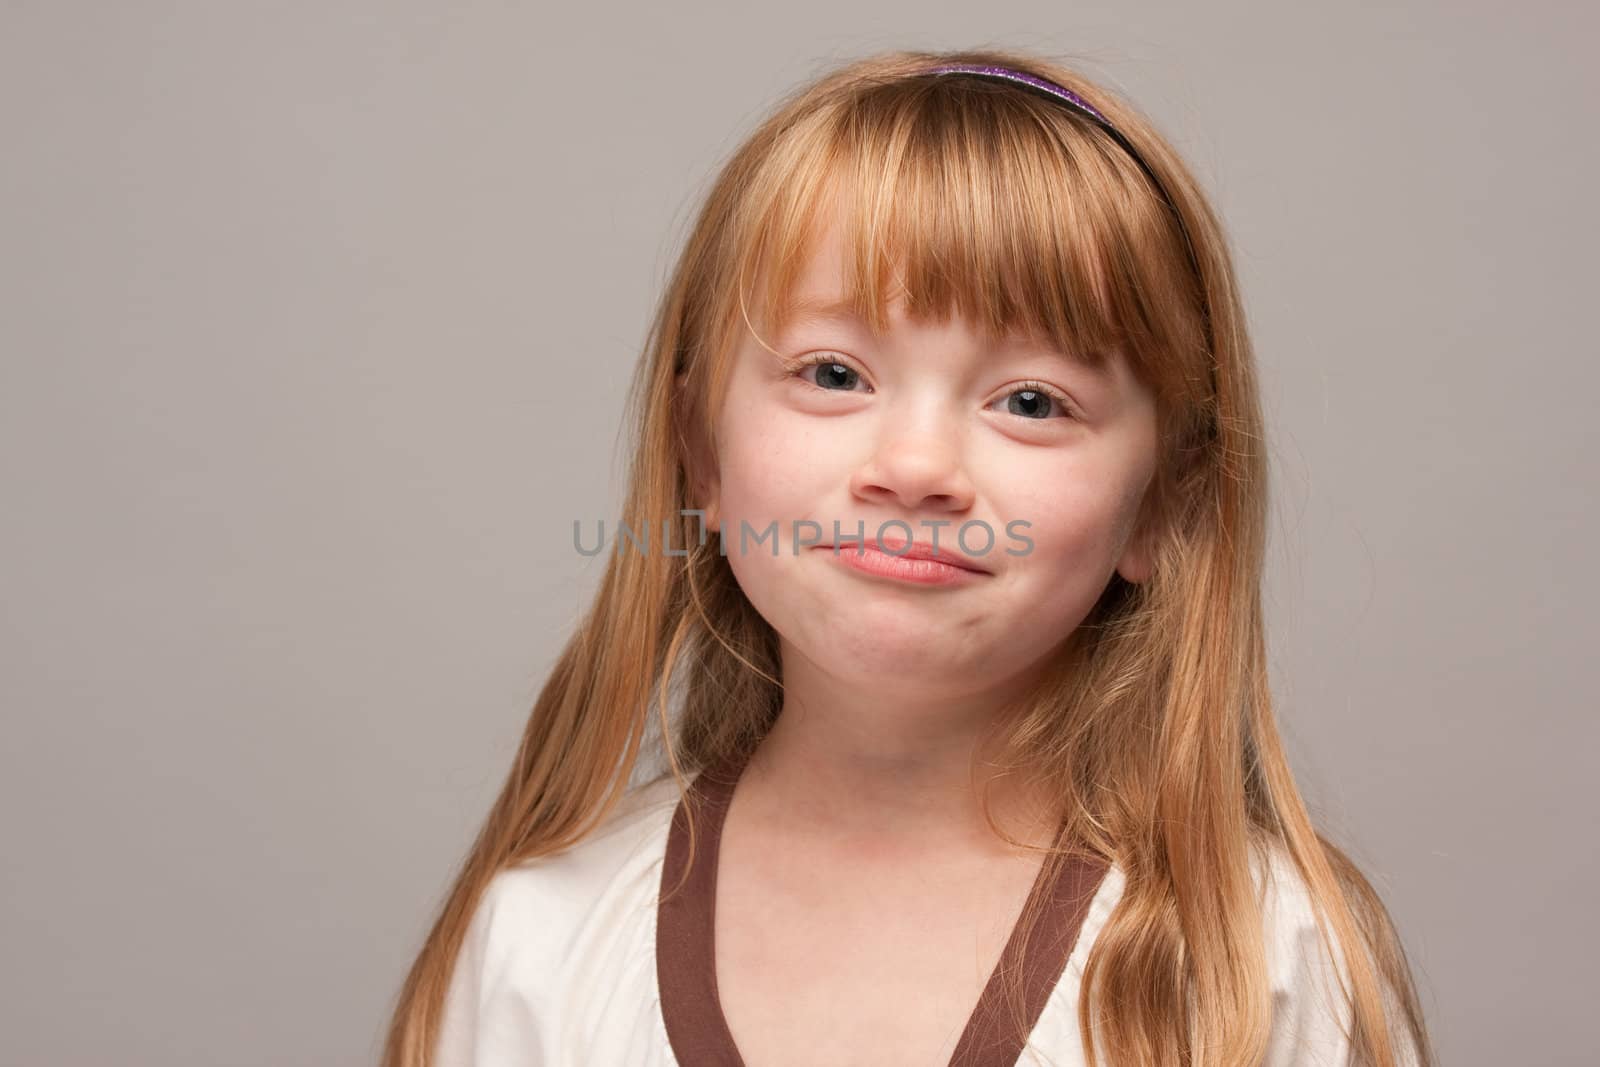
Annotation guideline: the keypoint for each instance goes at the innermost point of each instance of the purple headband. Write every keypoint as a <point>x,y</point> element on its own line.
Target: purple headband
<point>1079,105</point>
<point>1026,79</point>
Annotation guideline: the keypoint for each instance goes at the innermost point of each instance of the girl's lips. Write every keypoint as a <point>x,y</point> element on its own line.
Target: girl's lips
<point>869,560</point>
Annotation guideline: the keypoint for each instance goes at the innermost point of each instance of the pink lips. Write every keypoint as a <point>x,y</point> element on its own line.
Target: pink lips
<point>918,563</point>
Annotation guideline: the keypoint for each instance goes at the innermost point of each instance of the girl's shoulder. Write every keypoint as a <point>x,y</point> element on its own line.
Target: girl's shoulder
<point>548,932</point>
<point>547,909</point>
<point>625,847</point>
<point>1282,891</point>
<point>1288,914</point>
<point>1311,1017</point>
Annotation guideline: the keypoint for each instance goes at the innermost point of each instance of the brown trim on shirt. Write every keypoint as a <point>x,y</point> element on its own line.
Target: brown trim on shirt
<point>686,959</point>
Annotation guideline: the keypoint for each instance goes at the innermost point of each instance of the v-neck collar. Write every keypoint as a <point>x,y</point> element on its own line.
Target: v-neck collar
<point>686,959</point>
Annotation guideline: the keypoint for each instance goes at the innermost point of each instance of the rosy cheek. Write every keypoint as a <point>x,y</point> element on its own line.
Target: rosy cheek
<point>1045,498</point>
<point>1065,525</point>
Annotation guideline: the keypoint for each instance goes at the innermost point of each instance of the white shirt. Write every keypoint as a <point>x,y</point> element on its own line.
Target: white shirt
<point>558,968</point>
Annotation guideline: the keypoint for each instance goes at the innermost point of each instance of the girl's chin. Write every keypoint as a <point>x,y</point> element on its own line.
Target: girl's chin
<point>898,659</point>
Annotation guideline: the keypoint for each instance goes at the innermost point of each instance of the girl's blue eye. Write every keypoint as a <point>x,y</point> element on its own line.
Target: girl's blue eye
<point>831,375</point>
<point>1033,401</point>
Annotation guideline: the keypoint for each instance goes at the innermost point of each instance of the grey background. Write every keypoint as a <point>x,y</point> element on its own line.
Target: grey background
<point>316,324</point>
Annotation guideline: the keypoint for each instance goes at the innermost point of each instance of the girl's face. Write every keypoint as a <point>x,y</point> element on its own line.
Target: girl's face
<point>926,426</point>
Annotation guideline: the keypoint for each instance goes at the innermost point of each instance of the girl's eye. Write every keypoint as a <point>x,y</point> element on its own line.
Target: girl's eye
<point>1037,401</point>
<point>832,375</point>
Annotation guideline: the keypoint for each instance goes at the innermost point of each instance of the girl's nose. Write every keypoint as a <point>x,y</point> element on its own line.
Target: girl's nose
<point>917,471</point>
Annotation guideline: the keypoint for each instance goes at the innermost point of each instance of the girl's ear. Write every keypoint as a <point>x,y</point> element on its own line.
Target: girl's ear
<point>699,466</point>
<point>1138,552</point>
<point>1135,564</point>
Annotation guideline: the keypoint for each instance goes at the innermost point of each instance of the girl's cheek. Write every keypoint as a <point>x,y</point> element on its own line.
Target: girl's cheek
<point>1067,527</point>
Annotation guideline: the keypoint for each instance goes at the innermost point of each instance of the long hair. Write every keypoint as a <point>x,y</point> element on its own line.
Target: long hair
<point>1153,725</point>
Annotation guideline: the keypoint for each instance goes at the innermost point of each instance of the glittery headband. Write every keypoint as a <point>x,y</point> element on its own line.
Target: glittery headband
<point>1078,105</point>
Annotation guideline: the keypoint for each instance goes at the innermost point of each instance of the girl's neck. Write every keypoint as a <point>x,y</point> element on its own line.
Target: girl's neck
<point>888,784</point>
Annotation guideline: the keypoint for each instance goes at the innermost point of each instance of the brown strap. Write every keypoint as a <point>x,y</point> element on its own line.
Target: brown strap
<point>686,971</point>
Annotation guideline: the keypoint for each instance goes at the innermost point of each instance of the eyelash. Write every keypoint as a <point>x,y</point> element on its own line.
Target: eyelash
<point>797,367</point>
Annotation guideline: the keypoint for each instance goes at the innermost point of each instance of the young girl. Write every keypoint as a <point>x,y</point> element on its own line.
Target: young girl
<point>949,504</point>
